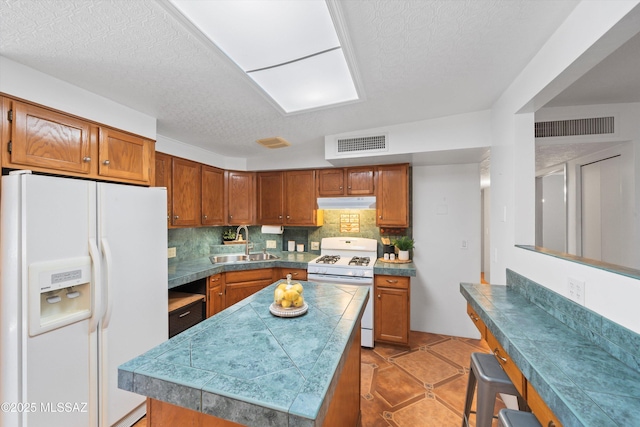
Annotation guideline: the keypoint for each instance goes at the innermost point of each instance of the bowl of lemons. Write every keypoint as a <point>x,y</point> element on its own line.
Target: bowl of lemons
<point>288,299</point>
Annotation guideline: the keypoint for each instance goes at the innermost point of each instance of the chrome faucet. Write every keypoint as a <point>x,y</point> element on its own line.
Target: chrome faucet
<point>246,235</point>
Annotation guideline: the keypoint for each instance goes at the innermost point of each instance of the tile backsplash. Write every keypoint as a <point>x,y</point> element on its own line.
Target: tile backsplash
<point>199,242</point>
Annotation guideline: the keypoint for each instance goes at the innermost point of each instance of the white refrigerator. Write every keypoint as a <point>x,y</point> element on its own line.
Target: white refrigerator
<point>83,289</point>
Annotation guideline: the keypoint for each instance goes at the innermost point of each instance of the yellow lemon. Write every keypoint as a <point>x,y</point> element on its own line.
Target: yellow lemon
<point>278,295</point>
<point>299,302</point>
<point>285,303</point>
<point>282,286</point>
<point>291,295</point>
<point>297,287</point>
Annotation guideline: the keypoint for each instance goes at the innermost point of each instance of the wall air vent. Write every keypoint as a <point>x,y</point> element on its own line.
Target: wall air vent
<point>575,127</point>
<point>362,144</point>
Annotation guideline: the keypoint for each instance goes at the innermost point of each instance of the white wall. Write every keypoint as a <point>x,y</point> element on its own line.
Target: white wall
<point>31,85</point>
<point>589,34</point>
<point>446,211</point>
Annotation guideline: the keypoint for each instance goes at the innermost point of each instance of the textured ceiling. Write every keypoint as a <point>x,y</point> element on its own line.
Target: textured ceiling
<point>416,59</point>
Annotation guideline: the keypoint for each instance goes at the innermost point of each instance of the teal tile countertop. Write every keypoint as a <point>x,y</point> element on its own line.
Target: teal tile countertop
<point>184,272</point>
<point>189,271</point>
<point>248,366</point>
<point>391,269</point>
<point>583,366</point>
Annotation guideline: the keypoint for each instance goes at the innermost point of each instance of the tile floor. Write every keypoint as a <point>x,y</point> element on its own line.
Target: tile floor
<point>423,385</point>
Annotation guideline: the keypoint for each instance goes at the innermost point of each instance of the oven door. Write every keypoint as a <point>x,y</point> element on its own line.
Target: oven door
<point>367,316</point>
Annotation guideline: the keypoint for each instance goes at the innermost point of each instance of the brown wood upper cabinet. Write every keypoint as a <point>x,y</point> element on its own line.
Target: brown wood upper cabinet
<point>392,196</point>
<point>212,207</point>
<point>288,198</point>
<point>241,196</point>
<point>46,140</point>
<point>185,192</point>
<point>356,181</point>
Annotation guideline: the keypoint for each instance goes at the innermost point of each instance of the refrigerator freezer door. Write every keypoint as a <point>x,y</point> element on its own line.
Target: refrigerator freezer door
<point>133,235</point>
<point>55,221</point>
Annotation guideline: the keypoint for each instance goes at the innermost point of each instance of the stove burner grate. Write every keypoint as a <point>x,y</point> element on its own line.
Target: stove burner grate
<point>328,259</point>
<point>364,261</point>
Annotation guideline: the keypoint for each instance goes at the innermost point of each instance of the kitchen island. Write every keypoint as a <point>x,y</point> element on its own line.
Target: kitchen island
<point>245,366</point>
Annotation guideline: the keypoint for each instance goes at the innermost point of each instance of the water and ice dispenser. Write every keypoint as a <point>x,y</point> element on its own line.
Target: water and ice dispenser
<point>59,293</point>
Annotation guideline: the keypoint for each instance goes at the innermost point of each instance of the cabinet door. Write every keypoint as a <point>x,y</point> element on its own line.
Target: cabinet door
<point>330,182</point>
<point>390,307</point>
<point>212,208</point>
<point>124,156</point>
<point>241,197</point>
<point>393,196</point>
<point>360,181</point>
<point>46,139</point>
<point>270,209</point>
<point>216,294</point>
<point>185,194</point>
<point>300,198</point>
<point>163,179</point>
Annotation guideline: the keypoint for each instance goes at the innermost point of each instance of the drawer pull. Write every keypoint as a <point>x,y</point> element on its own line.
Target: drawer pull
<point>474,318</point>
<point>106,163</point>
<point>86,159</point>
<point>185,313</point>
<point>391,281</point>
<point>496,353</point>
<point>551,424</point>
<point>215,280</point>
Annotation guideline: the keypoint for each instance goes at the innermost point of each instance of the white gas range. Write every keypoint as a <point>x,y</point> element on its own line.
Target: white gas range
<point>349,261</point>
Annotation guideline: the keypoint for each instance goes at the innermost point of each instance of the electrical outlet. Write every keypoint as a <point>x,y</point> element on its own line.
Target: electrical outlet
<point>315,246</point>
<point>171,252</point>
<point>575,288</point>
<point>271,244</point>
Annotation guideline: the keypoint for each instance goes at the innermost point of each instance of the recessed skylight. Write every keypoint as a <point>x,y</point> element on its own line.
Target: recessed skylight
<point>290,48</point>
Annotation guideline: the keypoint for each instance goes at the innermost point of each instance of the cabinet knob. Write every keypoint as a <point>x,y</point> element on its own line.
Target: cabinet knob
<point>380,217</point>
<point>496,353</point>
<point>341,187</point>
<point>215,280</point>
<point>378,295</point>
<point>230,216</point>
<point>176,217</point>
<point>86,159</point>
<point>279,216</point>
<point>204,217</point>
<point>349,187</point>
<point>106,163</point>
<point>288,217</point>
<point>220,293</point>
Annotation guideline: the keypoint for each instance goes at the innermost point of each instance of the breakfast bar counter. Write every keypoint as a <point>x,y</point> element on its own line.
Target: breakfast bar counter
<point>245,366</point>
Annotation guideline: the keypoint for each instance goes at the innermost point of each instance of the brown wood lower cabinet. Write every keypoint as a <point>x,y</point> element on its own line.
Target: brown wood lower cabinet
<point>241,284</point>
<point>216,294</point>
<point>539,408</point>
<point>392,309</point>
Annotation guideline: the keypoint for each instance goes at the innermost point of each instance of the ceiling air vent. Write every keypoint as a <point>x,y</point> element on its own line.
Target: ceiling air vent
<point>575,127</point>
<point>362,144</point>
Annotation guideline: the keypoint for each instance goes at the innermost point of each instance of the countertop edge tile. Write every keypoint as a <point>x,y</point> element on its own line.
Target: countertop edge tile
<point>571,403</point>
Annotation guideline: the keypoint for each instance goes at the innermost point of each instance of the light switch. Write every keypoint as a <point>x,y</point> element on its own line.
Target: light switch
<point>171,252</point>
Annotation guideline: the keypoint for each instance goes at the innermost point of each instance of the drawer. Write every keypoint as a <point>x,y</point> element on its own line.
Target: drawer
<point>507,364</point>
<point>477,321</point>
<point>540,409</point>
<point>399,282</point>
<point>296,273</point>
<point>185,317</point>
<point>248,275</point>
<point>215,280</point>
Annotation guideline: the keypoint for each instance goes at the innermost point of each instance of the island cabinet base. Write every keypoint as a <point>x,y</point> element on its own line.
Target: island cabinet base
<point>343,410</point>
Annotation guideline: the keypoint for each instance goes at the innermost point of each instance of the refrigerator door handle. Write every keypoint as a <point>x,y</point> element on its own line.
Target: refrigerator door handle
<point>94,253</point>
<point>106,250</point>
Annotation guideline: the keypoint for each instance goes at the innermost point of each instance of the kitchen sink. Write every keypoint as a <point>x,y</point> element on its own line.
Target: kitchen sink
<point>260,256</point>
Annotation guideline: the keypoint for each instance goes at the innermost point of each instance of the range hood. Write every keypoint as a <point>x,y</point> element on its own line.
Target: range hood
<point>347,202</point>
